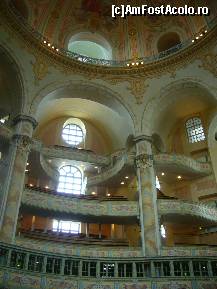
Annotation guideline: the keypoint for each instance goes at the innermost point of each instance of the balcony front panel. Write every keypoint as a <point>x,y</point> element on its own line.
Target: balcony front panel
<point>179,207</point>
<point>78,206</point>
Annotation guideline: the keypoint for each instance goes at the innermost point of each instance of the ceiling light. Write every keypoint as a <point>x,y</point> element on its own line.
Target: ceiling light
<point>162,174</point>
<point>122,183</point>
<point>133,63</point>
<point>2,120</point>
<point>49,161</point>
<point>205,31</point>
<point>137,63</point>
<point>31,185</point>
<point>57,49</point>
<point>46,187</point>
<point>95,167</point>
<point>128,64</point>
<point>27,164</point>
<point>26,171</point>
<point>108,195</point>
<point>193,40</point>
<point>45,41</point>
<point>197,37</point>
<point>142,62</point>
<point>201,34</point>
<point>179,177</point>
<point>93,193</point>
<point>49,44</point>
<point>126,177</point>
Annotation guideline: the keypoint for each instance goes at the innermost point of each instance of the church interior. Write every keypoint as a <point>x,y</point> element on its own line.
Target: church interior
<point>108,147</point>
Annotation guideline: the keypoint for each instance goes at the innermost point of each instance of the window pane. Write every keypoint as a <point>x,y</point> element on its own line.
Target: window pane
<point>195,130</point>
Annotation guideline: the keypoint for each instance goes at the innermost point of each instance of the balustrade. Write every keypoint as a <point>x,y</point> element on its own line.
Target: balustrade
<point>22,259</point>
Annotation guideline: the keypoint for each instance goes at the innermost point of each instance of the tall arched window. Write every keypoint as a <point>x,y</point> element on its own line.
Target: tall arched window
<point>73,134</point>
<point>195,130</point>
<point>70,180</point>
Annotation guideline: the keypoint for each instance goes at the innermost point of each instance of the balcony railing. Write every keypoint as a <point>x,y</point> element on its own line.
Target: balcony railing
<point>20,259</point>
<point>103,62</point>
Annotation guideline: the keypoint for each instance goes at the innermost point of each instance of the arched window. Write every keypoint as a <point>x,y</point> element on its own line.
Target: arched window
<point>195,130</point>
<point>73,134</point>
<point>70,180</point>
<point>90,45</point>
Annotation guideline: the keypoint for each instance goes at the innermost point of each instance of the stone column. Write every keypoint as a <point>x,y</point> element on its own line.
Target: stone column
<point>150,233</point>
<point>14,183</point>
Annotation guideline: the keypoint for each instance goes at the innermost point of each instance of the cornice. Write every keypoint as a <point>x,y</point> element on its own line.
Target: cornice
<point>111,74</point>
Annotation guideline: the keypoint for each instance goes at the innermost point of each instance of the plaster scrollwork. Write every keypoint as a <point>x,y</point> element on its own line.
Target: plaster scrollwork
<point>138,88</point>
<point>143,161</point>
<point>209,62</point>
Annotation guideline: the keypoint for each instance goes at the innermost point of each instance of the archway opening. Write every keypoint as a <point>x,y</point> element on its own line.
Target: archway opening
<point>168,41</point>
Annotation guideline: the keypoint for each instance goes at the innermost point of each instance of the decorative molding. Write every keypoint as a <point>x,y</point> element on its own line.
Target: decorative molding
<point>25,118</point>
<point>23,142</point>
<point>40,68</point>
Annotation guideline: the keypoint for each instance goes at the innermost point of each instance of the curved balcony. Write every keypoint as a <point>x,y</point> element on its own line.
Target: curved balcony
<point>186,208</point>
<point>37,269</point>
<point>74,154</point>
<point>182,163</point>
<point>84,207</point>
<point>16,20</point>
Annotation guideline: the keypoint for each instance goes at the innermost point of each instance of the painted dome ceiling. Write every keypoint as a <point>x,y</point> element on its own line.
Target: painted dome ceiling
<point>59,20</point>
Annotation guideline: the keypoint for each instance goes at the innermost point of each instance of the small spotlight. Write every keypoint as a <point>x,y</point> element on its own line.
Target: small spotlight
<point>179,177</point>
<point>201,34</point>
<point>46,187</point>
<point>49,44</point>
<point>193,40</point>
<point>26,171</point>
<point>53,47</point>
<point>197,37</point>
<point>128,64</point>
<point>57,49</point>
<point>49,161</point>
<point>45,41</point>
<point>108,195</point>
<point>142,62</point>
<point>133,63</point>
<point>137,63</point>
<point>31,185</point>
<point>93,193</point>
<point>96,167</point>
<point>27,164</point>
<point>126,177</point>
<point>205,31</point>
<point>162,174</point>
<point>122,183</point>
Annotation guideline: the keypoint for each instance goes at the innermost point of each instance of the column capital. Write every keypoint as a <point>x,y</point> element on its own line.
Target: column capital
<point>26,118</point>
<point>143,161</point>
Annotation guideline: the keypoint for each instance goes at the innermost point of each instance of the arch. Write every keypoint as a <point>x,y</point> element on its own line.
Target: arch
<point>90,95</point>
<point>70,180</point>
<point>87,42</point>
<point>11,72</point>
<point>212,143</point>
<point>170,94</point>
<point>167,41</point>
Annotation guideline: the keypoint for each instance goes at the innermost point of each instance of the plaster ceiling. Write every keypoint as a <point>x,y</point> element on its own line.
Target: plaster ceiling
<point>108,121</point>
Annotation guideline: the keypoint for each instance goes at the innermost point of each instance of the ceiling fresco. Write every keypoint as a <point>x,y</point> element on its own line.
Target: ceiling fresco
<point>59,20</point>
